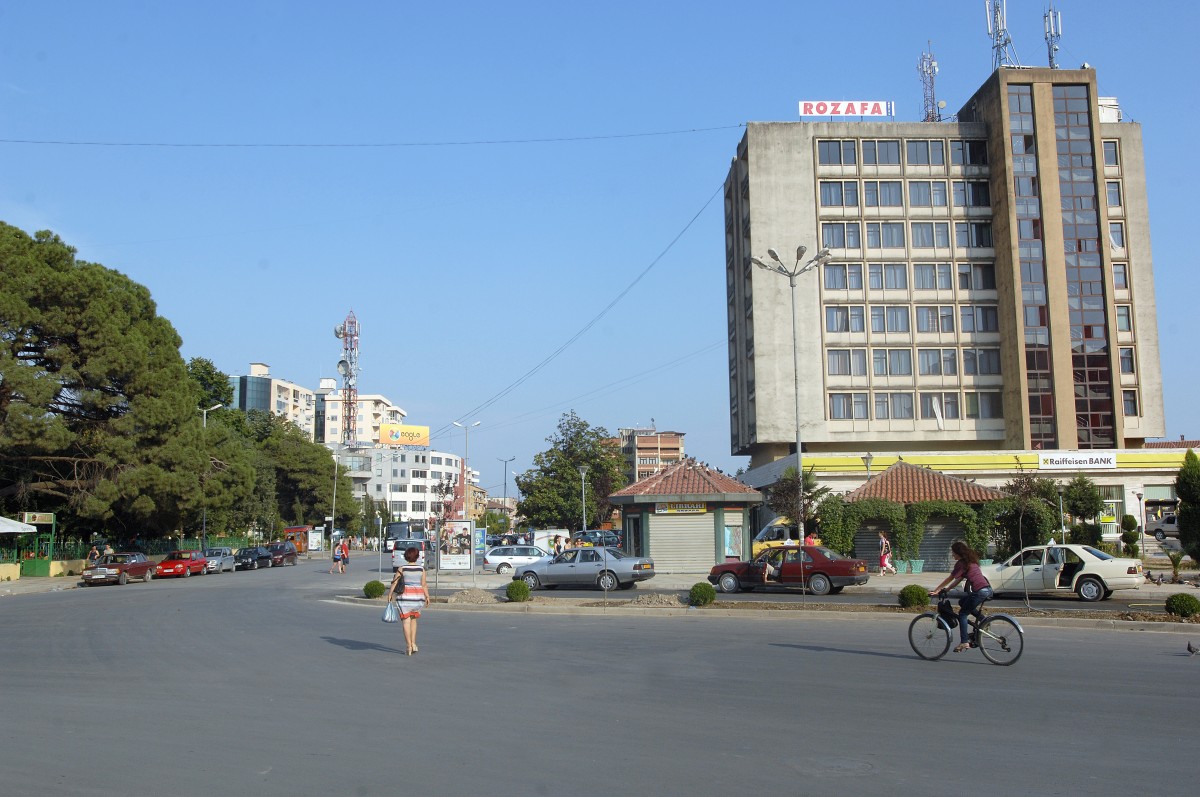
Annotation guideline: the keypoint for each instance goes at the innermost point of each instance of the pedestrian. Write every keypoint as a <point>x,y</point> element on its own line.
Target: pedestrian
<point>345,556</point>
<point>337,558</point>
<point>558,546</point>
<point>885,556</point>
<point>92,556</point>
<point>108,549</point>
<point>414,596</point>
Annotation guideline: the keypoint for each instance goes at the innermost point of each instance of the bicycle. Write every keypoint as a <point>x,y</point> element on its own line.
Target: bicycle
<point>998,636</point>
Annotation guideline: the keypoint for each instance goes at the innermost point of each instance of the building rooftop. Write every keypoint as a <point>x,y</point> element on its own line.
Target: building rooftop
<point>691,478</point>
<point>907,484</point>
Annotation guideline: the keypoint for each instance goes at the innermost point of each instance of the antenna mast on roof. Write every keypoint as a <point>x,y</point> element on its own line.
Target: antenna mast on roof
<point>1052,21</point>
<point>927,68</point>
<point>1003,53</point>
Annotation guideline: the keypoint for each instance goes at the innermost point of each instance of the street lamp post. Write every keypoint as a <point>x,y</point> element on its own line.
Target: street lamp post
<point>507,524</point>
<point>1141,528</point>
<point>821,258</point>
<point>333,509</point>
<point>867,459</point>
<point>204,484</point>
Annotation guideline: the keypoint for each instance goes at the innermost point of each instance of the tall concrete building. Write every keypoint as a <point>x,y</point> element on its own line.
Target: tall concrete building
<point>991,285</point>
<point>647,451</point>
<point>261,391</point>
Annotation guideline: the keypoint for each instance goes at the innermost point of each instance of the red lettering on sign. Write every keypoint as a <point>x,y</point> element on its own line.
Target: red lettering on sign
<point>822,107</point>
<point>806,109</point>
<point>876,109</point>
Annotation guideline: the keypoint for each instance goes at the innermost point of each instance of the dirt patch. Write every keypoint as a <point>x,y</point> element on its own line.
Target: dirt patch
<point>478,596</point>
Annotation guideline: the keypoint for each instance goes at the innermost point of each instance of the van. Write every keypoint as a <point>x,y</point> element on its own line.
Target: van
<point>780,531</point>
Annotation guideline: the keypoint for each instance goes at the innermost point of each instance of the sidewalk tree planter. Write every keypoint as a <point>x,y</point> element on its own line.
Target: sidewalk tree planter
<point>917,565</point>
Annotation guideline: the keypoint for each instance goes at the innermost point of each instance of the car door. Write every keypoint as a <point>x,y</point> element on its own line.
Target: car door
<point>1023,571</point>
<point>796,564</point>
<point>589,566</point>
<point>560,569</point>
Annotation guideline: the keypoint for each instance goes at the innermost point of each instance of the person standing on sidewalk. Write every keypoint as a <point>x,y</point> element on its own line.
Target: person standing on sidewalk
<point>345,556</point>
<point>337,558</point>
<point>885,556</point>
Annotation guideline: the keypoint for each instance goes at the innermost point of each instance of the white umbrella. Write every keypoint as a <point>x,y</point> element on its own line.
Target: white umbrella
<point>8,526</point>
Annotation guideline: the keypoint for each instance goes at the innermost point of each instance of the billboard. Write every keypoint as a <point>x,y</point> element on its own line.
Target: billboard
<point>395,434</point>
<point>847,108</point>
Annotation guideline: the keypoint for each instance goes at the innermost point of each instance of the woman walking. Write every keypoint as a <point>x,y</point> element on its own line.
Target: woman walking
<point>885,555</point>
<point>414,596</point>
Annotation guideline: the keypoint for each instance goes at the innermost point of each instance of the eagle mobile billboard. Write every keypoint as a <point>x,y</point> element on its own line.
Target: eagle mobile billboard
<point>396,434</point>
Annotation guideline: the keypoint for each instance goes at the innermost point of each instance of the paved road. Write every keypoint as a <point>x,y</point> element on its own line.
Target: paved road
<point>255,683</point>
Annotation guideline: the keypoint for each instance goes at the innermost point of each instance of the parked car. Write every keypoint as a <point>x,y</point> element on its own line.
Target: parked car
<point>182,563</point>
<point>824,571</point>
<point>1082,569</point>
<point>1166,526</point>
<point>504,558</point>
<point>398,560</point>
<point>594,538</point>
<point>606,568</point>
<point>778,532</point>
<point>282,553</point>
<point>252,557</point>
<point>219,559</point>
<point>117,568</point>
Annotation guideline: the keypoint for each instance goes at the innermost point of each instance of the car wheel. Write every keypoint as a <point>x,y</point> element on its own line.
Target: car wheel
<point>187,572</point>
<point>149,576</point>
<point>122,579</point>
<point>531,580</point>
<point>607,581</point>
<point>818,584</point>
<point>1160,535</point>
<point>254,565</point>
<point>1090,589</point>
<point>728,582</point>
<point>503,567</point>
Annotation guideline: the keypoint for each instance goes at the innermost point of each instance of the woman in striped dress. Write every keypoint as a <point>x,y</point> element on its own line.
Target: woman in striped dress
<point>414,596</point>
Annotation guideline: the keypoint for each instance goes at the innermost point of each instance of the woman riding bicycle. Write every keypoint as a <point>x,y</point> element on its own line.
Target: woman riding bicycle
<point>978,590</point>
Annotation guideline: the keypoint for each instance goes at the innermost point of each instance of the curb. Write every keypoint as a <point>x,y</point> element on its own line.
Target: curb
<point>751,614</point>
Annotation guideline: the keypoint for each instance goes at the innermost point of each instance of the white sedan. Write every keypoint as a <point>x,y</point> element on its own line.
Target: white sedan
<point>1082,569</point>
<point>504,558</point>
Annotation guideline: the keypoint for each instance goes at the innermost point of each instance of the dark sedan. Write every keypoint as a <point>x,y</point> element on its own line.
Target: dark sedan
<point>822,570</point>
<point>252,558</point>
<point>282,553</point>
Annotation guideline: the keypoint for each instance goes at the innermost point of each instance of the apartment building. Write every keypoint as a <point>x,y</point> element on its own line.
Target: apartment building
<point>261,391</point>
<point>990,285</point>
<point>647,451</point>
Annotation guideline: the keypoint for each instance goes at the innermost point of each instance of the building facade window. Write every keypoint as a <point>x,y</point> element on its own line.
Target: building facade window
<point>973,233</point>
<point>972,194</point>
<point>979,318</point>
<point>881,152</point>
<point>984,404</point>
<point>976,277</point>
<point>935,318</point>
<point>1116,234</point>
<point>840,235</point>
<point>927,194</point>
<point>848,406</point>
<point>885,235</point>
<point>969,152</point>
<point>981,362</point>
<point>1124,318</point>
<point>1131,402</point>
<point>945,403</point>
<point>1127,361</point>
<point>889,318</point>
<point>1121,276</point>
<point>891,362</point>
<point>929,234</point>
<point>883,194</point>
<point>836,194</point>
<point>926,153</point>
<point>1110,154</point>
<point>847,362</point>
<point>893,406</point>
<point>835,152</point>
<point>1113,189</point>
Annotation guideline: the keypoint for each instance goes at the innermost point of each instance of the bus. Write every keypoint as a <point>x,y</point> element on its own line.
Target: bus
<point>403,530</point>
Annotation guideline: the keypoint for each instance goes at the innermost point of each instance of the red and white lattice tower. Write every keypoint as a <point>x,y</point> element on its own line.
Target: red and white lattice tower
<point>347,332</point>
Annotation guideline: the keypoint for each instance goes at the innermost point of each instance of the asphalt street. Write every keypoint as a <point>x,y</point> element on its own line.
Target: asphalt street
<point>260,683</point>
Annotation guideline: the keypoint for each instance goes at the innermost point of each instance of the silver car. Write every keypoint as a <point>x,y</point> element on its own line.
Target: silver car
<point>506,557</point>
<point>220,559</point>
<point>606,568</point>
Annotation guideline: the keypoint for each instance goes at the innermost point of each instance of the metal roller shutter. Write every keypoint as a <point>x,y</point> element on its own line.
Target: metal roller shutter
<point>682,544</point>
<point>935,545</point>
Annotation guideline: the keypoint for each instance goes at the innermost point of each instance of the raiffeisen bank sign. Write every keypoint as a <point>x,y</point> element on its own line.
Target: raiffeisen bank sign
<point>847,108</point>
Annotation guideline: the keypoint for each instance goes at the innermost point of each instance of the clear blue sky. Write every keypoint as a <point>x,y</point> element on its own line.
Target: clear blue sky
<point>469,264</point>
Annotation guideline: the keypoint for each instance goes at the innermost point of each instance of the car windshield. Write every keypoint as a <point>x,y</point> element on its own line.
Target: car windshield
<point>116,560</point>
<point>215,552</point>
<point>613,553</point>
<point>1097,553</point>
<point>829,553</point>
<point>775,533</point>
<point>178,555</point>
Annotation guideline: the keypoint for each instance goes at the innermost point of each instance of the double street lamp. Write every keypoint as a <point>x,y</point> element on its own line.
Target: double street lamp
<point>821,258</point>
<point>204,483</point>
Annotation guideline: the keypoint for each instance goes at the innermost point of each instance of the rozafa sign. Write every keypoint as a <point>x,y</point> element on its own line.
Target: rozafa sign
<point>847,108</point>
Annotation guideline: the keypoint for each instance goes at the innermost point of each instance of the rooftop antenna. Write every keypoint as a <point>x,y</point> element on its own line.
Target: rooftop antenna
<point>1003,53</point>
<point>1053,23</point>
<point>927,68</point>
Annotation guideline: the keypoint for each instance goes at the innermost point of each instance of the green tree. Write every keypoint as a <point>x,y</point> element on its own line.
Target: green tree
<point>98,419</point>
<point>1187,487</point>
<point>1025,517</point>
<point>213,385</point>
<point>495,522</point>
<point>1081,499</point>
<point>784,496</point>
<point>552,487</point>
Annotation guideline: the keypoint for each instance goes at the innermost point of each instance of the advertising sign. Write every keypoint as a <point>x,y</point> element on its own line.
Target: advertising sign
<point>680,508</point>
<point>1077,460</point>
<point>38,517</point>
<point>396,434</point>
<point>457,545</point>
<point>847,108</point>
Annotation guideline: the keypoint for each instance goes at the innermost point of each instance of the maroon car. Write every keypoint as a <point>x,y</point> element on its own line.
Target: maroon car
<point>823,571</point>
<point>117,568</point>
<point>182,563</point>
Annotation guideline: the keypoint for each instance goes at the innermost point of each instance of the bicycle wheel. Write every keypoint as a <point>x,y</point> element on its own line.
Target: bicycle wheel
<point>929,638</point>
<point>1001,640</point>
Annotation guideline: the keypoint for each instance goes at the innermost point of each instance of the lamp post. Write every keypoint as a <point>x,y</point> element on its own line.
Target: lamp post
<point>867,460</point>
<point>204,484</point>
<point>507,524</point>
<point>333,509</point>
<point>1062,526</point>
<point>821,258</point>
<point>583,469</point>
<point>1141,528</point>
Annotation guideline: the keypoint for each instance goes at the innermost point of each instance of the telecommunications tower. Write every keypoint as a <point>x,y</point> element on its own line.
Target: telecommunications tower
<point>927,68</point>
<point>1003,52</point>
<point>1052,21</point>
<point>347,332</point>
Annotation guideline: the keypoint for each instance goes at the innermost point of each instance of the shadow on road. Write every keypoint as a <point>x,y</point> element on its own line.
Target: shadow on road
<point>825,649</point>
<point>354,644</point>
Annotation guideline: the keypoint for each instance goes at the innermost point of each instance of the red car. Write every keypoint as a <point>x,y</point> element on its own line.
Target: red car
<point>825,571</point>
<point>182,563</point>
<point>117,568</point>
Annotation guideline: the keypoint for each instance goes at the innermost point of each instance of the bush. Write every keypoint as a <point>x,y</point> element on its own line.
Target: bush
<point>701,594</point>
<point>1086,534</point>
<point>1182,604</point>
<point>374,589</point>
<point>914,595</point>
<point>517,591</point>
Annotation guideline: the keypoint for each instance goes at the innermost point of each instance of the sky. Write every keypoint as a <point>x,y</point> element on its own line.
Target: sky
<point>519,202</point>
